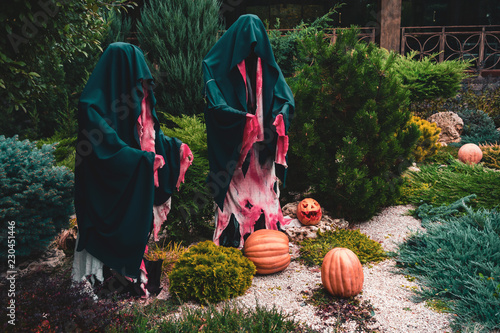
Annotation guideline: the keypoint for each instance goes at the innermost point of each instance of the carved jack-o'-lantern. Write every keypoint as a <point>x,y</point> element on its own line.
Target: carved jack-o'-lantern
<point>309,212</point>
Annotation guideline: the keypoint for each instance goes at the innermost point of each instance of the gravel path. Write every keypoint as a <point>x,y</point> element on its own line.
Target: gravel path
<point>388,292</point>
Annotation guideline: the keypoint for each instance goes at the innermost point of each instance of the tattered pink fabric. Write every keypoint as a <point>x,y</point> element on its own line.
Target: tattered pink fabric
<point>146,132</point>
<point>252,194</point>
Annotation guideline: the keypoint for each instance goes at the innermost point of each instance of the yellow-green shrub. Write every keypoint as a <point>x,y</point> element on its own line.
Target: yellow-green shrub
<point>208,273</point>
<point>491,155</point>
<point>427,144</point>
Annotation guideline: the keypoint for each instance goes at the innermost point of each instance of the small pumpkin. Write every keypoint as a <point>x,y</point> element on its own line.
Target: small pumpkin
<point>470,153</point>
<point>268,250</point>
<point>309,212</point>
<point>342,273</point>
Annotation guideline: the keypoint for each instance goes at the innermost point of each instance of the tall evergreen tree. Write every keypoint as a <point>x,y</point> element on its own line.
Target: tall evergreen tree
<point>175,36</point>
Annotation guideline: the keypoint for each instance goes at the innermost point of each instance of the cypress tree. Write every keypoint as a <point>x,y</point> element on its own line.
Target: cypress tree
<point>175,36</point>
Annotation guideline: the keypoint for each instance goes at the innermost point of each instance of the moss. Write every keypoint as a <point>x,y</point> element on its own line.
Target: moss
<point>313,250</point>
<point>209,273</point>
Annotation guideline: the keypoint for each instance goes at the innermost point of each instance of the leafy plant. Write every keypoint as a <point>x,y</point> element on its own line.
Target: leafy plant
<point>48,301</point>
<point>427,144</point>
<point>48,52</point>
<point>345,310</point>
<point>455,261</point>
<point>313,250</point>
<point>438,184</point>
<point>209,273</point>
<point>34,194</point>
<point>491,155</point>
<point>353,140</point>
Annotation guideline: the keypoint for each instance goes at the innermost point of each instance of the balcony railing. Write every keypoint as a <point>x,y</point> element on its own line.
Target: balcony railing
<point>480,44</point>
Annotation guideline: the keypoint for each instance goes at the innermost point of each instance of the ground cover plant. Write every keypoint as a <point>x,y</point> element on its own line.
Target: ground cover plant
<point>439,184</point>
<point>457,261</point>
<point>313,250</point>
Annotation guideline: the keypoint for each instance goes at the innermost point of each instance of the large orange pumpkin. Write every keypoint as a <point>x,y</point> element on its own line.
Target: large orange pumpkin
<point>470,154</point>
<point>342,273</point>
<point>268,250</point>
<point>309,212</point>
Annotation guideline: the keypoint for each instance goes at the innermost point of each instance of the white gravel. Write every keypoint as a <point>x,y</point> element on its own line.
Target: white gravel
<point>388,292</point>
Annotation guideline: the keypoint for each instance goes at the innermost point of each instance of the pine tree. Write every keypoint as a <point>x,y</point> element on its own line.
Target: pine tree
<point>351,139</point>
<point>175,36</point>
<point>36,198</point>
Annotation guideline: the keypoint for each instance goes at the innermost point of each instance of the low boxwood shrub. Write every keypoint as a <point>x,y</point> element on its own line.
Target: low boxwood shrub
<point>208,273</point>
<point>34,194</point>
<point>313,250</point>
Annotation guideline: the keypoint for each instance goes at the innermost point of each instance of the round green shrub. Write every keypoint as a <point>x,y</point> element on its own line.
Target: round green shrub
<point>209,273</point>
<point>36,197</point>
<point>313,250</point>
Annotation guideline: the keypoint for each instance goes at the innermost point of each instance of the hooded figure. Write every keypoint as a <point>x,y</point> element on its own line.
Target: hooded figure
<point>126,169</point>
<point>249,106</point>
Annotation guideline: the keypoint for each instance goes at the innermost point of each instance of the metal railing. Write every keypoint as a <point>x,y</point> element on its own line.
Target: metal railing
<point>480,44</point>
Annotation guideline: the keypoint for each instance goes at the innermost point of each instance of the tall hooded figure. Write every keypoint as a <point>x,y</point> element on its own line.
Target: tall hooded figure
<point>249,106</point>
<point>126,168</point>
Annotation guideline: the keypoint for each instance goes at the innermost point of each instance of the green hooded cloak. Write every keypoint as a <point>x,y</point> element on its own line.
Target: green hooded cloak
<point>114,178</point>
<point>226,109</point>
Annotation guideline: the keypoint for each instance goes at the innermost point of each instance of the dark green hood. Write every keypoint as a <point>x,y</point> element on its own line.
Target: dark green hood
<point>226,109</point>
<point>114,184</point>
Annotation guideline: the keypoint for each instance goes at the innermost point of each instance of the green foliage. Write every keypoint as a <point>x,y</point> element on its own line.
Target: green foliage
<point>479,128</point>
<point>429,79</point>
<point>344,310</point>
<point>286,48</point>
<point>64,153</point>
<point>313,250</point>
<point>429,213</point>
<point>192,210</point>
<point>209,273</point>
<point>456,261</point>
<point>233,318</point>
<point>491,156</point>
<point>49,51</point>
<point>119,27</point>
<point>444,184</point>
<point>175,36</point>
<point>473,94</point>
<point>351,138</point>
<point>34,194</point>
<point>427,144</point>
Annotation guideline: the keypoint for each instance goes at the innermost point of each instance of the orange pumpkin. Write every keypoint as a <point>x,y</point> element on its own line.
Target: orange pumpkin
<point>268,250</point>
<point>309,212</point>
<point>470,154</point>
<point>342,273</point>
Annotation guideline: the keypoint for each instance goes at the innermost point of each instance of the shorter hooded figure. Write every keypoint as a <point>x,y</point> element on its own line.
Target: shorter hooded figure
<point>249,106</point>
<point>126,169</point>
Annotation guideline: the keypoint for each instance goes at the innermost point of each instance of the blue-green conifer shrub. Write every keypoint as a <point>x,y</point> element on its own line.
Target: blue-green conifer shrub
<point>36,198</point>
<point>208,273</point>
